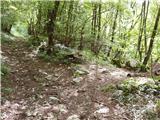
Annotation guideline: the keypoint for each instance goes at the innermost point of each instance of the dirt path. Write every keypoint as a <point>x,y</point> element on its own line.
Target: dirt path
<point>45,91</point>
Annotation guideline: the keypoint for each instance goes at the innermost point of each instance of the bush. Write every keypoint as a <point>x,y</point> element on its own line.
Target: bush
<point>90,56</point>
<point>45,56</point>
<point>35,41</point>
<point>128,86</point>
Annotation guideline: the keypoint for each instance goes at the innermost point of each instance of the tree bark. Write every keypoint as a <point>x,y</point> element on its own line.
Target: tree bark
<point>148,54</point>
<point>145,29</point>
<point>6,28</point>
<point>52,14</point>
<point>141,32</point>
<point>113,32</point>
<point>68,24</point>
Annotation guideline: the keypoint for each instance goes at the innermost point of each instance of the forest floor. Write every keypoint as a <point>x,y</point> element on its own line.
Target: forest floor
<point>41,90</point>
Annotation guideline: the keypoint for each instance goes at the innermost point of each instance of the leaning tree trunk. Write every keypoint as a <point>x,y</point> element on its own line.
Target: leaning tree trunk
<point>50,26</point>
<point>148,54</point>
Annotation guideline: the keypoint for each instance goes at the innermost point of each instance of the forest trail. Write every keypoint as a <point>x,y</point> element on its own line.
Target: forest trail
<point>43,90</point>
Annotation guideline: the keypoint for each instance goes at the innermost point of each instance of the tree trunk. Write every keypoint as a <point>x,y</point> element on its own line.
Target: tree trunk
<point>113,32</point>
<point>97,43</point>
<point>99,22</point>
<point>148,54</point>
<point>145,20</point>
<point>140,32</point>
<point>81,39</point>
<point>52,14</point>
<point>6,28</point>
<point>94,24</point>
<point>68,24</point>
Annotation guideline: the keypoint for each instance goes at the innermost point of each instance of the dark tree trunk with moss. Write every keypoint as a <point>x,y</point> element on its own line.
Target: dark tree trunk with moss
<point>52,14</point>
<point>6,28</point>
<point>148,54</point>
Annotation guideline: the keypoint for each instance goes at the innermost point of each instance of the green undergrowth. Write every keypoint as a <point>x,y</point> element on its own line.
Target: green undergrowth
<point>131,87</point>
<point>6,90</point>
<point>6,38</point>
<point>4,70</point>
<point>132,92</point>
<point>35,41</point>
<point>101,59</point>
<point>59,56</point>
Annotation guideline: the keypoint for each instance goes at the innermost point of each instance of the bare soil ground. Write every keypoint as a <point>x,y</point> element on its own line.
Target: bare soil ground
<point>46,91</point>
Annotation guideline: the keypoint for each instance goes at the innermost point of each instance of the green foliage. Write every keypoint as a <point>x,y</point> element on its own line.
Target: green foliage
<point>4,70</point>
<point>6,38</point>
<point>150,115</point>
<point>109,88</point>
<point>6,91</point>
<point>34,41</point>
<point>128,86</point>
<point>74,24</point>
<point>45,57</point>
<point>130,91</point>
<point>158,107</point>
<point>59,55</point>
<point>91,57</point>
<point>19,29</point>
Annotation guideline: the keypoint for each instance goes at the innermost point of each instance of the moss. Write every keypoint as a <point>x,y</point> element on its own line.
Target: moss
<point>6,38</point>
<point>4,70</point>
<point>128,86</point>
<point>158,107</point>
<point>109,88</point>
<point>6,91</point>
<point>150,115</point>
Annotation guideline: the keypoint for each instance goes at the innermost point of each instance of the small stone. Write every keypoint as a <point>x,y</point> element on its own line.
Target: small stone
<point>61,108</point>
<point>54,98</point>
<point>49,77</point>
<point>56,75</point>
<point>103,70</point>
<point>73,117</point>
<point>77,80</point>
<point>103,110</point>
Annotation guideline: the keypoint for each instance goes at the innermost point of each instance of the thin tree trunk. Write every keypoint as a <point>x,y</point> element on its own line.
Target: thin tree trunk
<point>81,39</point>
<point>94,24</point>
<point>68,24</point>
<point>113,32</point>
<point>140,33</point>
<point>99,22</point>
<point>145,20</point>
<point>97,44</point>
<point>148,54</point>
<point>51,25</point>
